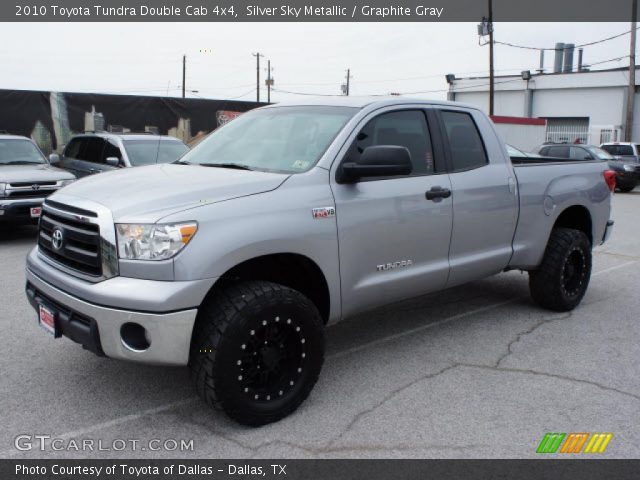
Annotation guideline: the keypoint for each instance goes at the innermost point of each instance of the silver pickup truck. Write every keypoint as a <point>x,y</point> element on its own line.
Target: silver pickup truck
<point>293,216</point>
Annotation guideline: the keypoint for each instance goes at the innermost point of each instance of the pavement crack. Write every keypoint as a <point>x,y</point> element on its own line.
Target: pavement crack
<point>529,331</point>
<point>552,375</point>
<point>384,400</point>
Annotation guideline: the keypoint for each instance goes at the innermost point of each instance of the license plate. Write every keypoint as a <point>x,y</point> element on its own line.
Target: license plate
<point>36,212</point>
<point>47,320</point>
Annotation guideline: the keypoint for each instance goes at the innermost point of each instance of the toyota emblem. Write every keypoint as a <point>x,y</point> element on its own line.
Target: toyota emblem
<point>35,186</point>
<point>57,239</point>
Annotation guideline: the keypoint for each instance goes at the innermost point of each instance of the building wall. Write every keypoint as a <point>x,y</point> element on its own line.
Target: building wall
<point>507,103</point>
<point>603,106</point>
<point>598,95</point>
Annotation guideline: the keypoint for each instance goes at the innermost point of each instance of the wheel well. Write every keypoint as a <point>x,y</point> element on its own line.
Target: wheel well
<point>288,269</point>
<point>576,217</point>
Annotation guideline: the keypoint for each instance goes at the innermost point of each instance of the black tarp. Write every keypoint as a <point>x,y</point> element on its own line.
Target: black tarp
<point>50,118</point>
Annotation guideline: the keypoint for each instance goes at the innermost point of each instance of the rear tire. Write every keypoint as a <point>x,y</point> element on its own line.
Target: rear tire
<point>257,351</point>
<point>562,279</point>
<point>626,189</point>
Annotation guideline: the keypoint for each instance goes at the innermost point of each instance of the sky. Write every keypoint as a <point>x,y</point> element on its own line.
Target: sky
<point>307,58</point>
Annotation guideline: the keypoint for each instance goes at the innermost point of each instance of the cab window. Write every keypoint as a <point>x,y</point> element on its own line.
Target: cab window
<point>465,142</point>
<point>407,128</point>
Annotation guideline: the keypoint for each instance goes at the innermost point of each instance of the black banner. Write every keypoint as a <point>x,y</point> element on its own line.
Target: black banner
<point>313,11</point>
<point>319,469</point>
<point>52,118</point>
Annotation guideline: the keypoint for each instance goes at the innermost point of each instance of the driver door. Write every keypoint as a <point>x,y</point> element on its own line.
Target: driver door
<point>394,242</point>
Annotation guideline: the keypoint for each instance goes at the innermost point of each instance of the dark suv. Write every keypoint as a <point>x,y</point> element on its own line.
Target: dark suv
<point>627,173</point>
<point>101,151</point>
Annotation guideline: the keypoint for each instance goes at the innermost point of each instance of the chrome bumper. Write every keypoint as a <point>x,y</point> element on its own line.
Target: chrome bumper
<point>168,334</point>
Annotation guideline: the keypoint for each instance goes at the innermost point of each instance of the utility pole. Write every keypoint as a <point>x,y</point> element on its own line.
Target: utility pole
<point>348,80</point>
<point>269,81</point>
<point>184,74</point>
<point>257,55</point>
<point>631,95</point>
<point>491,71</point>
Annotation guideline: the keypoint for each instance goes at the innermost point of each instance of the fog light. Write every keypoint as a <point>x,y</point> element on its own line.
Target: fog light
<point>134,337</point>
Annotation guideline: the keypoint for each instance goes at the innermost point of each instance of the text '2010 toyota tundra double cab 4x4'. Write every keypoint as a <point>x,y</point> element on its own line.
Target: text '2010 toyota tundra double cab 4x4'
<point>293,216</point>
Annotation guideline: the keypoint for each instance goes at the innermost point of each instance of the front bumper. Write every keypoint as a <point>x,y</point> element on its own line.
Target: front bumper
<point>18,210</point>
<point>99,328</point>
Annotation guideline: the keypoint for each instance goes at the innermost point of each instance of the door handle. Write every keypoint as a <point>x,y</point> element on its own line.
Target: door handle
<point>437,193</point>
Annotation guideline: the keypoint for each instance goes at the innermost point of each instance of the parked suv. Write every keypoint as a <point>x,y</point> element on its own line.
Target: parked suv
<point>25,179</point>
<point>100,152</point>
<point>627,173</point>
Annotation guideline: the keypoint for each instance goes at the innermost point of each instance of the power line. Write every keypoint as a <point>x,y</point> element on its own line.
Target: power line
<point>525,47</point>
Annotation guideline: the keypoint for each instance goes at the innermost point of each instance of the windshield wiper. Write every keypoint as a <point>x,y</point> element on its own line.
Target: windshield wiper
<point>181,162</point>
<point>237,166</point>
<point>21,162</point>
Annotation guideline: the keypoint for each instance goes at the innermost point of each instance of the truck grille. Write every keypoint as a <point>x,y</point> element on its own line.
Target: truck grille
<point>70,242</point>
<point>30,189</point>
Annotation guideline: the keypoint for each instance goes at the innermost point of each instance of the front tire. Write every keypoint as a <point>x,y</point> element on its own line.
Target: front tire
<point>562,279</point>
<point>257,351</point>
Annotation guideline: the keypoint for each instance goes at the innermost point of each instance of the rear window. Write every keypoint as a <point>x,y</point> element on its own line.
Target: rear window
<point>150,152</point>
<point>467,149</point>
<point>560,152</point>
<point>619,149</point>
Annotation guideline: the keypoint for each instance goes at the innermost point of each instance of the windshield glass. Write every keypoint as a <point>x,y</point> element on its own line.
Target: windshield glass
<point>281,139</point>
<point>16,151</point>
<point>600,154</point>
<point>149,152</point>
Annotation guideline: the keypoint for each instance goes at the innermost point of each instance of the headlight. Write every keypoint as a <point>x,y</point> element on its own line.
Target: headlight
<point>3,186</point>
<point>629,168</point>
<point>153,242</point>
<point>64,183</point>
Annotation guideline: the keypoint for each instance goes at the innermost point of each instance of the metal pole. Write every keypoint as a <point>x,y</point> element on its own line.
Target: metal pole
<point>184,74</point>
<point>348,78</point>
<point>257,55</point>
<point>268,81</point>
<point>491,71</point>
<point>631,95</point>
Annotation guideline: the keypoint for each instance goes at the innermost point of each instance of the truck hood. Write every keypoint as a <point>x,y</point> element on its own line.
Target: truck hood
<point>41,172</point>
<point>150,193</point>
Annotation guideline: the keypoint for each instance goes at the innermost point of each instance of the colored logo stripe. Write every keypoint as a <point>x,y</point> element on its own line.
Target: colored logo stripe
<point>550,443</point>
<point>598,442</point>
<point>574,443</point>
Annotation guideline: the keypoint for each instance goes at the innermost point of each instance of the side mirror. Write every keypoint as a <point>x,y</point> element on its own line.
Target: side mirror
<point>54,159</point>
<point>112,161</point>
<point>378,161</point>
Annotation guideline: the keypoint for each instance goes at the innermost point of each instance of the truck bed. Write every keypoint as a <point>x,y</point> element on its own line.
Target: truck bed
<point>547,186</point>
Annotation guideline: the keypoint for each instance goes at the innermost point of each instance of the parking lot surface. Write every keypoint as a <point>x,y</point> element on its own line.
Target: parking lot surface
<point>476,371</point>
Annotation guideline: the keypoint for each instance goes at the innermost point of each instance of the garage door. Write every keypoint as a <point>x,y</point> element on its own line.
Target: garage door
<point>568,130</point>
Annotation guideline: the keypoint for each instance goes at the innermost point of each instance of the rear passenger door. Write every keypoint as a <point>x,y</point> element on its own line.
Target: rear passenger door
<point>485,201</point>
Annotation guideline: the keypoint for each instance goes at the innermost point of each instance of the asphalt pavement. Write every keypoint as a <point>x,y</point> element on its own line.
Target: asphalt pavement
<point>476,371</point>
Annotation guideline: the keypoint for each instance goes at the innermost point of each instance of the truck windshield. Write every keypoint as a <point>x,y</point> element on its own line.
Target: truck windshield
<point>19,152</point>
<point>149,152</point>
<point>279,139</point>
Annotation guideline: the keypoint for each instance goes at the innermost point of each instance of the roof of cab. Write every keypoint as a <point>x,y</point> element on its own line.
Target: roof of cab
<point>6,136</point>
<point>361,102</point>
